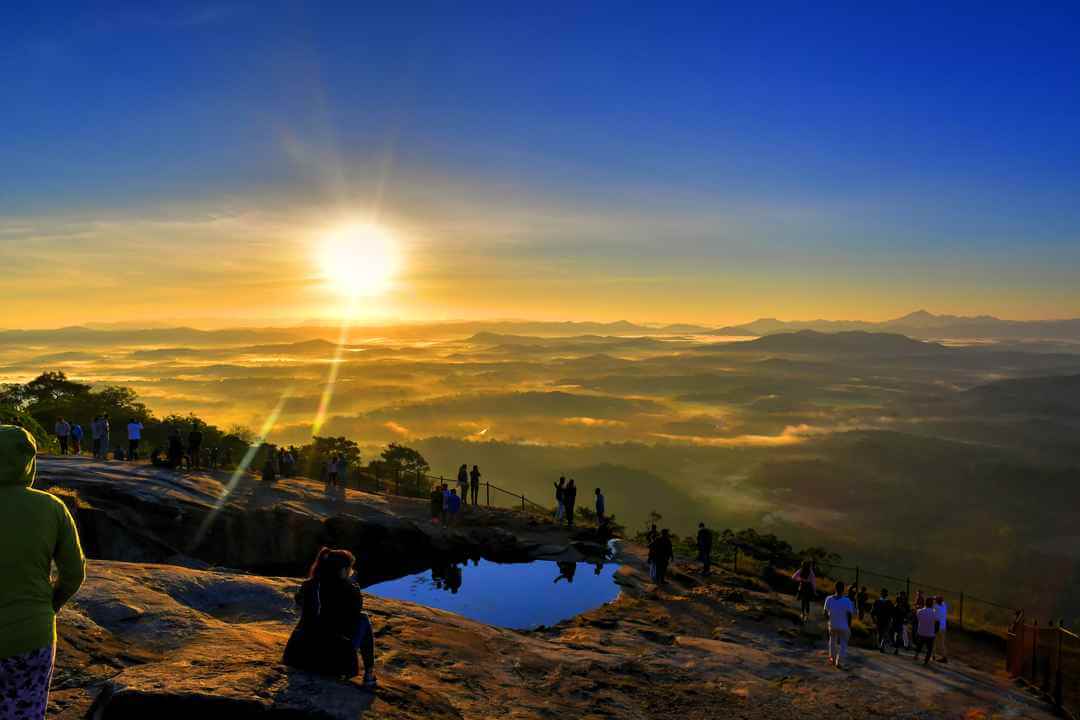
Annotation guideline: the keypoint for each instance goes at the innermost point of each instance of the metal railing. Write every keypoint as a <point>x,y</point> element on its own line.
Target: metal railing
<point>419,485</point>
<point>1048,657</point>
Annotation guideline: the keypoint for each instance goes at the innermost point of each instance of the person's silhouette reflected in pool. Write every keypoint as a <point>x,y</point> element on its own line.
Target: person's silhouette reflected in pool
<point>566,571</point>
<point>453,578</point>
<point>598,569</point>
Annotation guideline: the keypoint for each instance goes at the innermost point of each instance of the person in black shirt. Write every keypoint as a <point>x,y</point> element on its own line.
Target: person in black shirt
<point>704,546</point>
<point>333,625</point>
<point>569,498</point>
<point>194,441</point>
<point>661,554</point>
<point>883,614</point>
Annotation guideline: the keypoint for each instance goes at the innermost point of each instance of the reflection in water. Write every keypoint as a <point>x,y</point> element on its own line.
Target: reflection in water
<point>514,595</point>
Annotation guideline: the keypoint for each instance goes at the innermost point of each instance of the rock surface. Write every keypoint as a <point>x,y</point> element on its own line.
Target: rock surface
<point>160,641</point>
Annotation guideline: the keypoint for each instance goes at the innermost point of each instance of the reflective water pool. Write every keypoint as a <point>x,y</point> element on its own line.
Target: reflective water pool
<point>512,595</point>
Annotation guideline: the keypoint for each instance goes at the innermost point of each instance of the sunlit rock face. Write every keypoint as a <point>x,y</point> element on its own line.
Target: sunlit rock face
<point>138,513</point>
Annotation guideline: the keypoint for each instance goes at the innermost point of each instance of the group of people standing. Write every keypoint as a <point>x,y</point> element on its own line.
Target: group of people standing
<point>566,501</point>
<point>468,483</point>
<point>69,436</point>
<point>921,626</point>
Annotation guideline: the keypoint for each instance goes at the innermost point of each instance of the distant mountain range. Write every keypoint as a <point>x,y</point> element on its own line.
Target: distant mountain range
<point>920,324</point>
<point>924,325</point>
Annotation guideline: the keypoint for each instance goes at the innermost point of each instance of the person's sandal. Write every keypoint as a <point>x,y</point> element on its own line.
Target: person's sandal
<point>369,680</point>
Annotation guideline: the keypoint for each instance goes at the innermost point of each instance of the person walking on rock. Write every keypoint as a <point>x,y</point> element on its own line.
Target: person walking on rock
<point>36,531</point>
<point>104,435</point>
<point>704,548</point>
<point>474,484</point>
<point>600,507</point>
<point>840,611</point>
<point>63,432</point>
<point>194,443</point>
<point>926,627</point>
<point>883,613</point>
<point>95,435</point>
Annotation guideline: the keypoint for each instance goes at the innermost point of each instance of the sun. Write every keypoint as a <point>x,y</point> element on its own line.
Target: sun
<point>359,260</point>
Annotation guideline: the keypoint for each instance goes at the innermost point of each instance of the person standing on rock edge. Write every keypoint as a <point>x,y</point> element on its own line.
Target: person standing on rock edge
<point>840,611</point>
<point>661,553</point>
<point>569,499</point>
<point>560,508</point>
<point>36,530</point>
<point>599,508</point>
<point>463,479</point>
<point>453,508</point>
<point>807,588</point>
<point>474,483</point>
<point>134,433</point>
<point>63,431</point>
<point>704,548</point>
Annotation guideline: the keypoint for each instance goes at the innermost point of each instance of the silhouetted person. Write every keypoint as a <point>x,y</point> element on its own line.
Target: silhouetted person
<point>474,483</point>
<point>662,553</point>
<point>215,457</point>
<point>63,432</point>
<point>560,494</point>
<point>807,588</point>
<point>104,435</point>
<point>600,507</point>
<point>651,535</point>
<point>194,439</point>
<point>883,613</point>
<point>333,624</point>
<point>840,611</point>
<point>332,470</point>
<point>176,448</point>
<point>569,499</point>
<point>269,471</point>
<point>436,504</point>
<point>566,571</point>
<point>704,548</point>
<point>95,436</point>
<point>864,602</point>
<point>901,613</point>
<point>463,480</point>
<point>454,577</point>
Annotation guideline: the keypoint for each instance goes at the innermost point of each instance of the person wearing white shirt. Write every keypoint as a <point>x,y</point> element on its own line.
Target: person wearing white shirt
<point>940,650</point>
<point>926,628</point>
<point>134,432</point>
<point>840,611</point>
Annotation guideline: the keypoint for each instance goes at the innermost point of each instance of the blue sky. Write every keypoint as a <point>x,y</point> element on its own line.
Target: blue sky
<point>658,142</point>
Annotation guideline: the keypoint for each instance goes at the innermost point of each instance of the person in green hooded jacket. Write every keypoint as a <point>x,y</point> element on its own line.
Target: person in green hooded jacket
<point>36,530</point>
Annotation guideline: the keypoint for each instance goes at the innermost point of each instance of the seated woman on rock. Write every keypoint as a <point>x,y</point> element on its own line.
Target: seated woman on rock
<point>333,624</point>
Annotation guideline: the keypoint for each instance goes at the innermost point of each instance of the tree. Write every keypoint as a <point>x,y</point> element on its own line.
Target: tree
<point>405,459</point>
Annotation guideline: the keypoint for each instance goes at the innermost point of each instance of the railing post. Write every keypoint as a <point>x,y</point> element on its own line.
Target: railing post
<point>1058,679</point>
<point>961,609</point>
<point>522,503</point>
<point>736,564</point>
<point>908,593</point>
<point>487,488</point>
<point>1034,649</point>
<point>856,576</point>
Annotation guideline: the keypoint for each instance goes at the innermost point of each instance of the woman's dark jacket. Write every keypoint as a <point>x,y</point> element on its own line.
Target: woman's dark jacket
<point>322,641</point>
